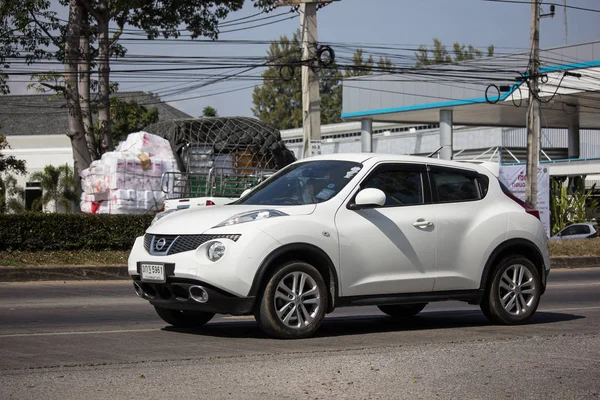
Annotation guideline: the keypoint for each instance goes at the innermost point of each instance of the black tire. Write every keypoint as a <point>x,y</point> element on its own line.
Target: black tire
<point>402,310</point>
<point>527,292</point>
<point>314,304</point>
<point>184,318</point>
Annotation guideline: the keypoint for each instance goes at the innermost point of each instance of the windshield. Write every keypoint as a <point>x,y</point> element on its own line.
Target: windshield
<point>304,183</point>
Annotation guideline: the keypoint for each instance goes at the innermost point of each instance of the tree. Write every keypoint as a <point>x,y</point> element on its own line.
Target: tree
<point>29,29</point>
<point>127,117</point>
<point>279,100</point>
<point>209,112</point>
<point>10,192</point>
<point>440,55</point>
<point>567,209</point>
<point>359,66</point>
<point>12,196</point>
<point>10,163</point>
<point>58,186</point>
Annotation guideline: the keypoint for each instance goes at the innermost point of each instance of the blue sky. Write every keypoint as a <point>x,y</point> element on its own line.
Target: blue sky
<point>397,22</point>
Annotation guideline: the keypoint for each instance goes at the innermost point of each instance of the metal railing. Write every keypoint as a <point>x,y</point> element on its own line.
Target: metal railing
<point>217,182</point>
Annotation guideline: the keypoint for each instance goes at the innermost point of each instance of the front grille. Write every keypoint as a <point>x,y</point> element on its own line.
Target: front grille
<point>179,243</point>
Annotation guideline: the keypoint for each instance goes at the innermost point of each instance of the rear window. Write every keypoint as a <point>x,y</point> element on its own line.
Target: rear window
<point>454,186</point>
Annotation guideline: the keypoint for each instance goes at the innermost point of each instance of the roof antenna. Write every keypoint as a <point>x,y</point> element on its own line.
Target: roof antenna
<point>435,152</point>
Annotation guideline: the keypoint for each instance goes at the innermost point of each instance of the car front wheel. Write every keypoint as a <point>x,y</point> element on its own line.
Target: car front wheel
<point>514,293</point>
<point>184,318</point>
<point>293,303</point>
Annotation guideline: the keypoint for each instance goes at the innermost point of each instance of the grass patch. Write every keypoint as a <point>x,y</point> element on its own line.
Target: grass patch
<point>558,248</point>
<point>67,258</point>
<point>574,248</point>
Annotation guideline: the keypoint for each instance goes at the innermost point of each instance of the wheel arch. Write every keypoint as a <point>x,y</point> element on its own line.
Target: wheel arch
<point>306,252</point>
<point>522,247</point>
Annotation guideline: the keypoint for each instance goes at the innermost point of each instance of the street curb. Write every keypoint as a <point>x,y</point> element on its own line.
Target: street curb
<point>62,273</point>
<point>119,272</point>
<point>574,262</point>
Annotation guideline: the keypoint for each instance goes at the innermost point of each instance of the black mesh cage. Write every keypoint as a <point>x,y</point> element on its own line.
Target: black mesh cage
<point>249,142</point>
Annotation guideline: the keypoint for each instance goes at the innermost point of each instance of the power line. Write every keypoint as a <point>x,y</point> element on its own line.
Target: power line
<point>528,2</point>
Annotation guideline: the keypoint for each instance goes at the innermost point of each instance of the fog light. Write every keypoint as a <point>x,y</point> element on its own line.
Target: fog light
<point>215,251</point>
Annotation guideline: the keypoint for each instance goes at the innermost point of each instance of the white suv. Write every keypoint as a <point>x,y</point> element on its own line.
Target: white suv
<point>347,230</point>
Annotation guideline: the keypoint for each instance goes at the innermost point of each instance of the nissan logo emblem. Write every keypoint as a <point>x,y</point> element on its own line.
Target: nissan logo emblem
<point>160,244</point>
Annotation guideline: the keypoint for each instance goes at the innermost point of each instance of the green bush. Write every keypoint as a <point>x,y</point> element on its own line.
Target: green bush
<point>38,231</point>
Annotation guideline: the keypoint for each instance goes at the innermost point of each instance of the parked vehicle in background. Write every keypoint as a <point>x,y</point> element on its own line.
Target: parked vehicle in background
<point>585,230</point>
<point>347,230</point>
<point>214,187</point>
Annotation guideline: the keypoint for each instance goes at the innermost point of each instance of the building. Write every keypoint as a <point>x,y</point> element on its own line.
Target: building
<point>35,127</point>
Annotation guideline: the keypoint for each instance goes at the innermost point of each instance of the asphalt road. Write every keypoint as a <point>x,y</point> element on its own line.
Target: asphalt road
<point>97,340</point>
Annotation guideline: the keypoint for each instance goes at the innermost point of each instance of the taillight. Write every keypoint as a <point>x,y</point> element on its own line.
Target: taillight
<point>527,207</point>
<point>210,203</point>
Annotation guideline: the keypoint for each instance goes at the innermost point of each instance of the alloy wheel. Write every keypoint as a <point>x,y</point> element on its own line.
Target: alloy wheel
<point>517,290</point>
<point>297,300</point>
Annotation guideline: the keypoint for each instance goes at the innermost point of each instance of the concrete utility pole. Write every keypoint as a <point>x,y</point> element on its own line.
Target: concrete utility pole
<point>311,97</point>
<point>565,14</point>
<point>533,112</point>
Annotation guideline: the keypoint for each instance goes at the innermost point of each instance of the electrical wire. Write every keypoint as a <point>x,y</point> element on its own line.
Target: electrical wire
<point>529,2</point>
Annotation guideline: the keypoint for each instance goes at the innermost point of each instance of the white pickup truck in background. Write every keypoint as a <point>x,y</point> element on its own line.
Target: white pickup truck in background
<point>216,187</point>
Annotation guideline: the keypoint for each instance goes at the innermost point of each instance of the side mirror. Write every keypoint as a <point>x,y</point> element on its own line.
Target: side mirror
<point>245,192</point>
<point>368,198</point>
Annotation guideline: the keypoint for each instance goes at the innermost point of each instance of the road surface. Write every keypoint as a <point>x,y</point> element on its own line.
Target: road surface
<point>97,340</point>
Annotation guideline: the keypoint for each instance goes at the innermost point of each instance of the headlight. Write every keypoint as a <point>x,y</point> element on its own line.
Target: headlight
<point>162,214</point>
<point>250,216</point>
<point>215,251</point>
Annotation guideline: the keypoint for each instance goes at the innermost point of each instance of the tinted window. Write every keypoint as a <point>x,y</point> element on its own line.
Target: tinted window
<point>304,183</point>
<point>455,186</point>
<point>576,230</point>
<point>400,187</point>
<point>484,183</point>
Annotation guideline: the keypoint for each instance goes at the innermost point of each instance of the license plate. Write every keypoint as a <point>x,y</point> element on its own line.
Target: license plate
<point>153,272</point>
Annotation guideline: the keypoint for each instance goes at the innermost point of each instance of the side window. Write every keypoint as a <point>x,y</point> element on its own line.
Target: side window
<point>401,187</point>
<point>484,183</point>
<point>453,186</point>
<point>580,230</point>
<point>569,231</point>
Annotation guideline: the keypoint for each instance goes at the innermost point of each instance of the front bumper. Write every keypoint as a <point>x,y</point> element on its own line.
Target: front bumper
<point>175,294</point>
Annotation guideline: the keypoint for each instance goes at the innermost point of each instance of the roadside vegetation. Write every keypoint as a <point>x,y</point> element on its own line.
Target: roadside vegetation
<point>559,248</point>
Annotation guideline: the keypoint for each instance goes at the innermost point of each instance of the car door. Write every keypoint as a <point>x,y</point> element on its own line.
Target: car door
<point>463,222</point>
<point>576,232</point>
<point>392,248</point>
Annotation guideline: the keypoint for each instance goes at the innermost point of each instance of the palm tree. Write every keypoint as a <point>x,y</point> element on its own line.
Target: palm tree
<point>58,186</point>
<point>11,195</point>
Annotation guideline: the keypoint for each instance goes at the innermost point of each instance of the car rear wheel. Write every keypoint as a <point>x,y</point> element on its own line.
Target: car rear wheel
<point>402,310</point>
<point>514,293</point>
<point>184,318</point>
<point>293,303</point>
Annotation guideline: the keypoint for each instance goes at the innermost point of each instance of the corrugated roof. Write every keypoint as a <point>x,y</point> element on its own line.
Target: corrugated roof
<point>47,114</point>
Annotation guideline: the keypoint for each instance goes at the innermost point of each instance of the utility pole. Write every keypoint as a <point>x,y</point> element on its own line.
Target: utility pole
<point>533,111</point>
<point>565,14</point>
<point>311,97</point>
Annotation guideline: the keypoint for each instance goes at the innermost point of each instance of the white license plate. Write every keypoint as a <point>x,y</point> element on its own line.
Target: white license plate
<point>153,272</point>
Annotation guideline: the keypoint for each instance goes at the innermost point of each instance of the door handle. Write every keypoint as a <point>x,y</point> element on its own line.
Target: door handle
<point>421,223</point>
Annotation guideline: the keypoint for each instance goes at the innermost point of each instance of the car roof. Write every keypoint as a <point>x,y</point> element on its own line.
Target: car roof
<point>382,157</point>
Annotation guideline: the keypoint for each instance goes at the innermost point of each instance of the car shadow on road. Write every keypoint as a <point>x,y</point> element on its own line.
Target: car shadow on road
<point>368,324</point>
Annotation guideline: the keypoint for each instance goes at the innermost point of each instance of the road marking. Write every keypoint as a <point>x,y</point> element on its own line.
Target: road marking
<point>562,285</point>
<point>243,317</point>
<point>77,333</point>
<point>568,309</point>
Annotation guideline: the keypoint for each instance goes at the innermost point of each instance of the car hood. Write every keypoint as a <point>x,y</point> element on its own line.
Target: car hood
<point>198,220</point>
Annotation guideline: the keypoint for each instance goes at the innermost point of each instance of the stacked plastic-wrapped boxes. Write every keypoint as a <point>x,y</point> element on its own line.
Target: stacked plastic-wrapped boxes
<point>128,180</point>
